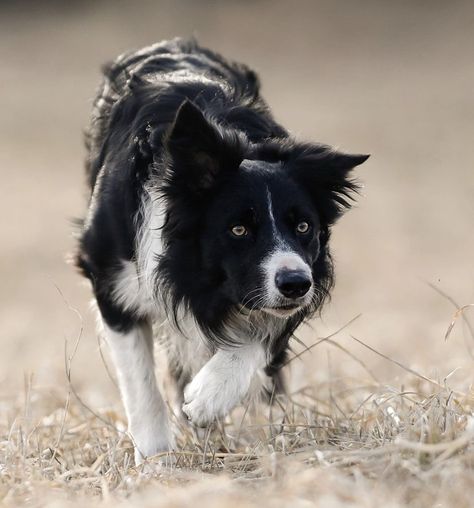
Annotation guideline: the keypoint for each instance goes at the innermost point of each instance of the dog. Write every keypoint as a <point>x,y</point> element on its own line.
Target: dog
<point>205,217</point>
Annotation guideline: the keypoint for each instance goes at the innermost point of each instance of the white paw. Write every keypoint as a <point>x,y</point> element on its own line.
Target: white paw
<point>210,396</point>
<point>153,446</point>
<point>222,383</point>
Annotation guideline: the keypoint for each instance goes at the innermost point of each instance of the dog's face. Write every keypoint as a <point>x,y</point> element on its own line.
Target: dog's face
<point>263,232</point>
<point>260,216</point>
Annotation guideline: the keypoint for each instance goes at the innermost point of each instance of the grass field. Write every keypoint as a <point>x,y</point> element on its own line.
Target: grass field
<point>380,407</point>
<point>347,441</point>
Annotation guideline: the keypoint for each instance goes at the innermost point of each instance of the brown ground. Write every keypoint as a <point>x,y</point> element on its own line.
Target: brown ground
<point>394,79</point>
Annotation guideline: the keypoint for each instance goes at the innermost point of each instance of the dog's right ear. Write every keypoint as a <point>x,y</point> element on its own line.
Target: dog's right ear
<point>199,151</point>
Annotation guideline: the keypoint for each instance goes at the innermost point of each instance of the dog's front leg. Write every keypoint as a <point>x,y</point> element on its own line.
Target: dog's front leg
<point>222,383</point>
<point>132,354</point>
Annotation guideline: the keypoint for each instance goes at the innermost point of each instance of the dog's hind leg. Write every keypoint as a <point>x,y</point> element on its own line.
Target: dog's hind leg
<point>223,382</point>
<point>132,354</point>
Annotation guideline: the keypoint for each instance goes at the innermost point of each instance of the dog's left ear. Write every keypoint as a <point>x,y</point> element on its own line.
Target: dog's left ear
<point>325,174</point>
<point>199,152</point>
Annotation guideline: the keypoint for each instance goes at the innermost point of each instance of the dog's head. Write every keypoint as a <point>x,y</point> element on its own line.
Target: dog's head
<point>248,224</point>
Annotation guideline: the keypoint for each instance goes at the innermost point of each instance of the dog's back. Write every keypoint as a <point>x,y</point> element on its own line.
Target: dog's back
<point>170,72</point>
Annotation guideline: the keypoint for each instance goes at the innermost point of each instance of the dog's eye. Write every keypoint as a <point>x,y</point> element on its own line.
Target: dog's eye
<point>239,230</point>
<point>302,227</point>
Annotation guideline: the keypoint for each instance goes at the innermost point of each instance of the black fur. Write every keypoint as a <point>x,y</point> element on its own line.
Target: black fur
<point>183,117</point>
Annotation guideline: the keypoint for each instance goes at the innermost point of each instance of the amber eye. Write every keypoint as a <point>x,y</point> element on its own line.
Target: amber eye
<point>302,227</point>
<point>239,230</point>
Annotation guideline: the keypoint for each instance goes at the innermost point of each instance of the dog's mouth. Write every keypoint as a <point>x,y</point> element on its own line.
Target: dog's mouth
<point>283,311</point>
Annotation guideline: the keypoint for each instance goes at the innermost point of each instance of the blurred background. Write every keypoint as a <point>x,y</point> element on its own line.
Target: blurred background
<point>394,79</point>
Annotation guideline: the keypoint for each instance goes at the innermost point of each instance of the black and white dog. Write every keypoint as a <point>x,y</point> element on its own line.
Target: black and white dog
<point>207,217</point>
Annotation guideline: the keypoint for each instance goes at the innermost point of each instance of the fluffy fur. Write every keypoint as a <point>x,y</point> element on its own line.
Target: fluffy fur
<point>205,215</point>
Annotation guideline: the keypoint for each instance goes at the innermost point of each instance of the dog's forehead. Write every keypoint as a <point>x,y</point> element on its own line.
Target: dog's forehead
<point>256,167</point>
<point>267,177</point>
<point>260,180</point>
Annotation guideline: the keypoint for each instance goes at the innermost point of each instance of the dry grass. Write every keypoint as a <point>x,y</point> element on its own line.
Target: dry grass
<point>344,442</point>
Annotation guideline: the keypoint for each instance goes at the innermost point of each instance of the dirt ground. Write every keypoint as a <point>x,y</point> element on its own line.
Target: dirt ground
<point>394,79</point>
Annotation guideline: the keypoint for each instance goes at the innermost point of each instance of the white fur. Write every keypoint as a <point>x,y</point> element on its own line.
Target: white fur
<point>222,383</point>
<point>187,348</point>
<point>132,354</point>
<point>276,234</point>
<point>190,348</point>
<point>128,290</point>
<point>133,288</point>
<point>149,244</point>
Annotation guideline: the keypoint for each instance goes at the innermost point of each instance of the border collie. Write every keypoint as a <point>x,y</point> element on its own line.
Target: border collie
<point>208,218</point>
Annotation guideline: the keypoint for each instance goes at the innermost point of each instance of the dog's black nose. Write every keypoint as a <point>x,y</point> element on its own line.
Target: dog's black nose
<point>292,283</point>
